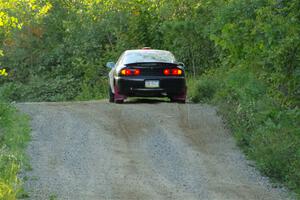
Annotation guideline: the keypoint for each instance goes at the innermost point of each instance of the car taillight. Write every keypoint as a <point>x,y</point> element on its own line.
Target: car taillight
<point>130,72</point>
<point>137,72</point>
<point>125,72</point>
<point>167,72</point>
<point>173,72</point>
<point>176,72</point>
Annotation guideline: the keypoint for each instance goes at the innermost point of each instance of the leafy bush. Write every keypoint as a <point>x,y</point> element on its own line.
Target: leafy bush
<point>97,91</point>
<point>204,90</point>
<point>59,89</point>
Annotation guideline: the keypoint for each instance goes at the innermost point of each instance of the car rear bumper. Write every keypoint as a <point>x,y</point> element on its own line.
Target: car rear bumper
<point>135,86</point>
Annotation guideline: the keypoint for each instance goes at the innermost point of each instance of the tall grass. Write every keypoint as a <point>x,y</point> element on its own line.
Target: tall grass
<point>267,131</point>
<point>14,134</point>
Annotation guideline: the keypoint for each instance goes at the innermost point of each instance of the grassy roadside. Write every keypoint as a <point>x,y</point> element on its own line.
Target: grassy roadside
<point>266,131</point>
<point>14,135</point>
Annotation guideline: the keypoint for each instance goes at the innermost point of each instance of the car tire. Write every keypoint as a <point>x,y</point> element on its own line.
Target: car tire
<point>174,100</point>
<point>111,95</point>
<point>119,101</point>
<point>181,101</point>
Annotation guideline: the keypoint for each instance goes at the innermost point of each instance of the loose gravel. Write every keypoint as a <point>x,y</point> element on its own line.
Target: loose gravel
<point>139,150</point>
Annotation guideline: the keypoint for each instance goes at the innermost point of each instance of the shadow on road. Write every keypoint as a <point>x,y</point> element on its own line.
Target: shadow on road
<point>146,101</point>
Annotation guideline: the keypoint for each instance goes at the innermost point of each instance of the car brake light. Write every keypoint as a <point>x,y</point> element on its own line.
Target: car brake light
<point>129,72</point>
<point>137,72</point>
<point>174,72</point>
<point>126,72</point>
<point>167,72</point>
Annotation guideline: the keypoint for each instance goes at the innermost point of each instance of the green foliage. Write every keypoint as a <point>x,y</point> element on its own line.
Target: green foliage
<point>58,89</point>
<point>266,130</point>
<point>99,90</point>
<point>265,36</point>
<point>204,90</point>
<point>14,134</point>
<point>256,85</point>
<point>54,50</point>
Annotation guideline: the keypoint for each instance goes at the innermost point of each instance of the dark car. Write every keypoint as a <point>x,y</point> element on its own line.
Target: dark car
<point>147,73</point>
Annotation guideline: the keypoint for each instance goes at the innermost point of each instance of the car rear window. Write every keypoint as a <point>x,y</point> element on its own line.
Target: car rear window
<point>148,56</point>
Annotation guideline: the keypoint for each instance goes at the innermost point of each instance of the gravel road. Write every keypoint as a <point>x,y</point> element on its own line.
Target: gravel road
<point>139,150</point>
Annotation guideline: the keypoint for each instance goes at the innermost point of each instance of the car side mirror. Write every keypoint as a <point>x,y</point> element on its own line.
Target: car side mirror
<point>110,65</point>
<point>181,64</point>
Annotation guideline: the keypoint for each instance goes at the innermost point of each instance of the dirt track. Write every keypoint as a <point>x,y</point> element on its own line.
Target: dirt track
<point>140,150</point>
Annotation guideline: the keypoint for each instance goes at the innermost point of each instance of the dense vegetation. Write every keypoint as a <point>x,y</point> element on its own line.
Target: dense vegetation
<point>14,134</point>
<point>242,56</point>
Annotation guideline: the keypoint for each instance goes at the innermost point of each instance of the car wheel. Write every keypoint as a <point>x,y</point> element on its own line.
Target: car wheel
<point>111,96</point>
<point>181,101</point>
<point>119,101</point>
<point>118,98</point>
<point>172,99</point>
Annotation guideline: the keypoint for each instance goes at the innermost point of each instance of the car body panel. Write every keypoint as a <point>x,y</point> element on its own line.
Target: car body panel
<point>135,86</point>
<point>151,63</point>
